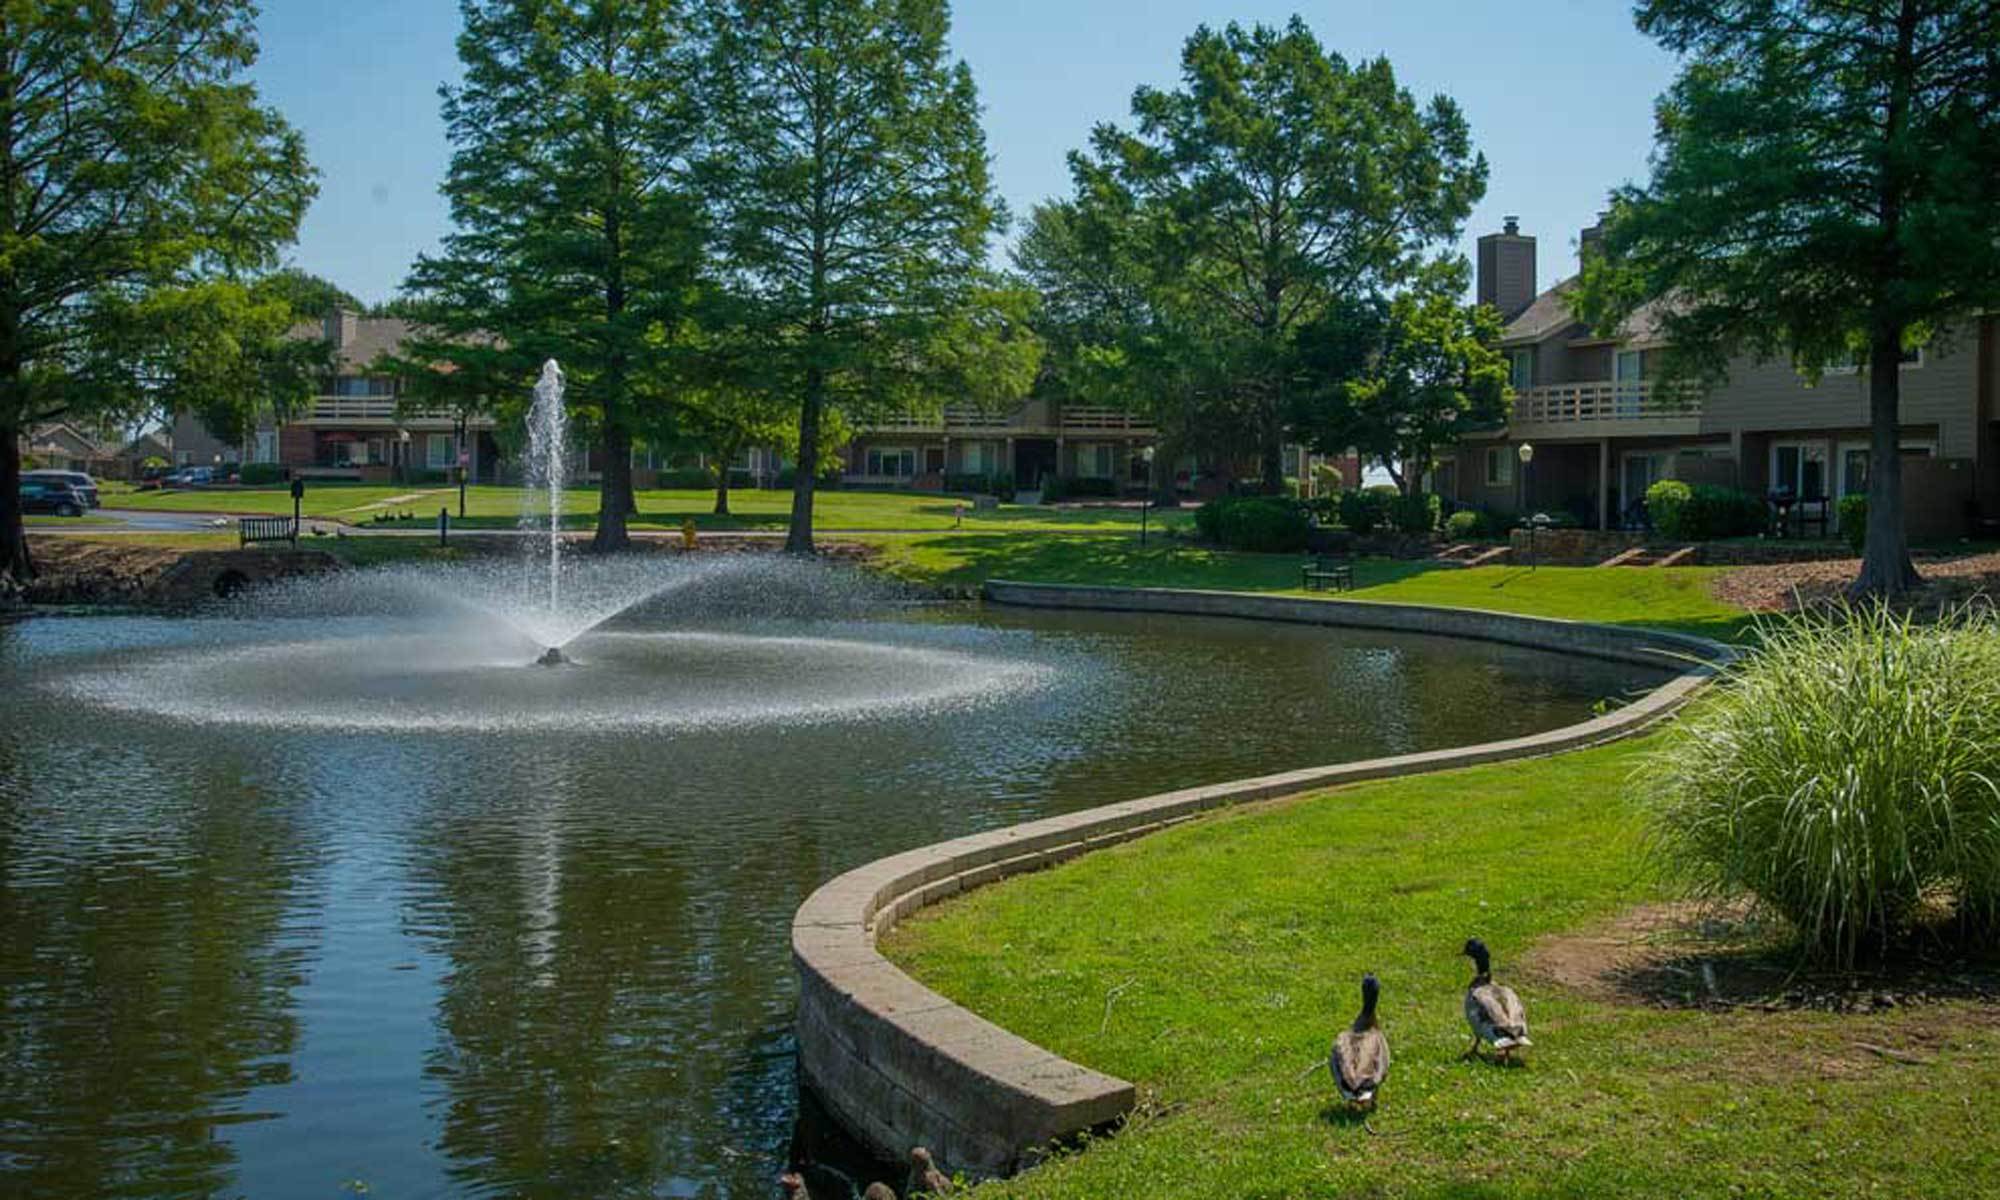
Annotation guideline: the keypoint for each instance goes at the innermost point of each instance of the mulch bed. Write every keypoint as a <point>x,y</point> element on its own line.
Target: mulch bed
<point>1790,587</point>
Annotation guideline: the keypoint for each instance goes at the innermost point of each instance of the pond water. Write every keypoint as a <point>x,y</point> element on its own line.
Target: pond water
<point>308,896</point>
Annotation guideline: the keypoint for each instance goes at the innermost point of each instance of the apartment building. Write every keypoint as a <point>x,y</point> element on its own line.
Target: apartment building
<point>1602,430</point>
<point>1033,442</point>
<point>353,429</point>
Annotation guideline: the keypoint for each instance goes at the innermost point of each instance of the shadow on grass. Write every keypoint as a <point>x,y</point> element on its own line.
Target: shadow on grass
<point>973,558</point>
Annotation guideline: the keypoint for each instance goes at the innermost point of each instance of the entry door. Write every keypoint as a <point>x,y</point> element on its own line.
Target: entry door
<point>1639,472</point>
<point>1799,468</point>
<point>1628,369</point>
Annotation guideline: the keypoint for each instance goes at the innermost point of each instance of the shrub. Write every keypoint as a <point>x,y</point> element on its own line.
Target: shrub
<point>1702,512</point>
<point>262,474</point>
<point>1464,525</point>
<point>1091,486</point>
<point>1418,514</point>
<point>1854,521</point>
<point>1269,524</point>
<point>1327,479</point>
<point>1369,509</point>
<point>1842,776</point>
<point>686,478</point>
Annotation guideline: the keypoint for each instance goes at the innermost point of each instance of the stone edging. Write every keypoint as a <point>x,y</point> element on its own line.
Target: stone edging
<point>900,1065</point>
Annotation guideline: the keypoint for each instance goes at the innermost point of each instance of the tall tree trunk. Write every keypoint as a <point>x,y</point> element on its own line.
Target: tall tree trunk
<point>1885,563</point>
<point>14,558</point>
<point>614,497</point>
<point>1274,442</point>
<point>799,538</point>
<point>722,485</point>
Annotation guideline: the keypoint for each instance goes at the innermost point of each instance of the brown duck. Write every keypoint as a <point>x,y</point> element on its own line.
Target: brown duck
<point>925,1178</point>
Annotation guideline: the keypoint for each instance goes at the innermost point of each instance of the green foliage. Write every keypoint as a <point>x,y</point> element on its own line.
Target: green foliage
<point>1465,524</point>
<point>1266,524</point>
<point>1327,478</point>
<point>576,232</point>
<point>850,173</point>
<point>687,477</point>
<point>1843,775</point>
<point>1176,228</point>
<point>1370,509</point>
<point>1419,372</point>
<point>1417,514</point>
<point>307,295</point>
<point>1702,512</point>
<point>1854,521</point>
<point>262,474</point>
<point>1825,187</point>
<point>140,177</point>
<point>999,483</point>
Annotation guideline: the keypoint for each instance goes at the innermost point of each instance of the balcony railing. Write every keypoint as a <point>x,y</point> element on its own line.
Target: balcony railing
<point>370,408</point>
<point>1637,400</point>
<point>970,419</point>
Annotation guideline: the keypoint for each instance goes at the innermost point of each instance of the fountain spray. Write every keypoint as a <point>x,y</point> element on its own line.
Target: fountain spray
<point>548,444</point>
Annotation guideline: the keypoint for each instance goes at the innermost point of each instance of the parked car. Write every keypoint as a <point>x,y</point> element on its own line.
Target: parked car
<point>83,485</point>
<point>191,477</point>
<point>49,496</point>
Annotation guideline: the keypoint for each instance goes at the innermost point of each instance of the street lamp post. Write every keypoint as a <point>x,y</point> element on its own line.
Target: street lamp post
<point>1146,505</point>
<point>1527,455</point>
<point>459,440</point>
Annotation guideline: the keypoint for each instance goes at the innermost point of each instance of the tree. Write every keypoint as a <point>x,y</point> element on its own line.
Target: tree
<point>308,294</point>
<point>1406,376</point>
<point>1825,189</point>
<point>1274,182</point>
<point>856,203</point>
<point>577,236</point>
<point>139,181</point>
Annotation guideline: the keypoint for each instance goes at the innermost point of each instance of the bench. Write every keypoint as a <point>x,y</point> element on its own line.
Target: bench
<point>266,529</point>
<point>1327,574</point>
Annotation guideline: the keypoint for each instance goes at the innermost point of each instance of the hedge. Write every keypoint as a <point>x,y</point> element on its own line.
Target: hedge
<point>259,474</point>
<point>1702,512</point>
<point>1268,524</point>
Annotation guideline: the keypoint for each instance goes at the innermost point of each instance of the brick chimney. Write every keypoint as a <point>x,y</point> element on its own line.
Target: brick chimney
<point>1586,242</point>
<point>1507,270</point>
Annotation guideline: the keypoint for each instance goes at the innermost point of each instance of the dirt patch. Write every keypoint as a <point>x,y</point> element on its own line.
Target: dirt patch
<point>1688,956</point>
<point>80,571</point>
<point>1789,587</point>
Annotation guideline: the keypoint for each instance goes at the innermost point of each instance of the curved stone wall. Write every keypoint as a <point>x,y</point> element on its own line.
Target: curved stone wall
<point>900,1065</point>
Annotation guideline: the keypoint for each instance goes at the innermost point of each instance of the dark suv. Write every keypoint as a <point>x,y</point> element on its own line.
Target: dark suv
<point>51,496</point>
<point>83,485</point>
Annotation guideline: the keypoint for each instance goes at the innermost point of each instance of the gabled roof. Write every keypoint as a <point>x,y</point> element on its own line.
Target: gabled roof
<point>1550,313</point>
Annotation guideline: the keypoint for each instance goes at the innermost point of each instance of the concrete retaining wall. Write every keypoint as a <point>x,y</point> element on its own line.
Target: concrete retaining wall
<point>900,1065</point>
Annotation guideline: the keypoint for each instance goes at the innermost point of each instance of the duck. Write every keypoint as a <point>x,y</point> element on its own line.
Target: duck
<point>879,1191</point>
<point>794,1186</point>
<point>925,1178</point>
<point>1360,1057</point>
<point>1492,1009</point>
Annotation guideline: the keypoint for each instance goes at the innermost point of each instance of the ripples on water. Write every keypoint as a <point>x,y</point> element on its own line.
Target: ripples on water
<point>329,891</point>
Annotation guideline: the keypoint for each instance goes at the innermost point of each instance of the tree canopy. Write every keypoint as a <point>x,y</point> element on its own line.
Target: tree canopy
<point>1825,190</point>
<point>141,185</point>
<point>851,178</point>
<point>577,235</point>
<point>1276,183</point>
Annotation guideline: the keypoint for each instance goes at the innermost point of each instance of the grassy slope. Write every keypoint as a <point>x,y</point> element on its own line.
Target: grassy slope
<point>1234,947</point>
<point>1675,598</point>
<point>751,509</point>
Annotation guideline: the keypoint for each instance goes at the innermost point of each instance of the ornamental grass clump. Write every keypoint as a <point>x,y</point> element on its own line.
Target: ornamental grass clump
<point>1847,776</point>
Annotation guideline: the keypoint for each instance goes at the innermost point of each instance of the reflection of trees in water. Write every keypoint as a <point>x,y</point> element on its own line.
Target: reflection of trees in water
<point>147,967</point>
<point>592,1011</point>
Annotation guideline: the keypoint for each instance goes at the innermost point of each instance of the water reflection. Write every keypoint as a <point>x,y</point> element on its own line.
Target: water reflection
<point>278,962</point>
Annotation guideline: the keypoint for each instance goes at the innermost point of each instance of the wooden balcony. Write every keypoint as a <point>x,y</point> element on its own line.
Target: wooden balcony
<point>377,411</point>
<point>1605,409</point>
<point>965,420</point>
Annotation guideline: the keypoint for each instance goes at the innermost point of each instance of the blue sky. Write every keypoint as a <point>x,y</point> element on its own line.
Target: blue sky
<point>1559,94</point>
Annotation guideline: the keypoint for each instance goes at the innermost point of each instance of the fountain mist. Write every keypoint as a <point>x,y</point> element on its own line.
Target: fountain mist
<point>548,447</point>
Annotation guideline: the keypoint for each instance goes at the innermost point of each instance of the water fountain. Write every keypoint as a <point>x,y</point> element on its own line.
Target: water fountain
<point>548,473</point>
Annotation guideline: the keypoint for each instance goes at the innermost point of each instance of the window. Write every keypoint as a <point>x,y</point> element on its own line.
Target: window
<point>1521,369</point>
<point>1913,357</point>
<point>1799,468</point>
<point>895,462</point>
<point>439,451</point>
<point>267,446</point>
<point>1628,369</point>
<point>972,458</point>
<point>1499,466</point>
<point>1093,461</point>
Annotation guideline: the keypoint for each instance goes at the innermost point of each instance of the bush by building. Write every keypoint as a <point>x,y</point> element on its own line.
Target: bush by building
<point>1702,512</point>
<point>1267,524</point>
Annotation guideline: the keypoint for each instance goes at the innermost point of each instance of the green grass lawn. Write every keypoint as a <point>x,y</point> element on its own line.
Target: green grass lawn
<point>1233,948</point>
<point>488,507</point>
<point>1672,598</point>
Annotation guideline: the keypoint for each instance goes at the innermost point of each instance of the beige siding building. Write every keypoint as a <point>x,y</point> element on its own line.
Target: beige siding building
<point>1602,432</point>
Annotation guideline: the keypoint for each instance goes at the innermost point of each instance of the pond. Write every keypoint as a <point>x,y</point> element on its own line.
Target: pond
<point>332,890</point>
